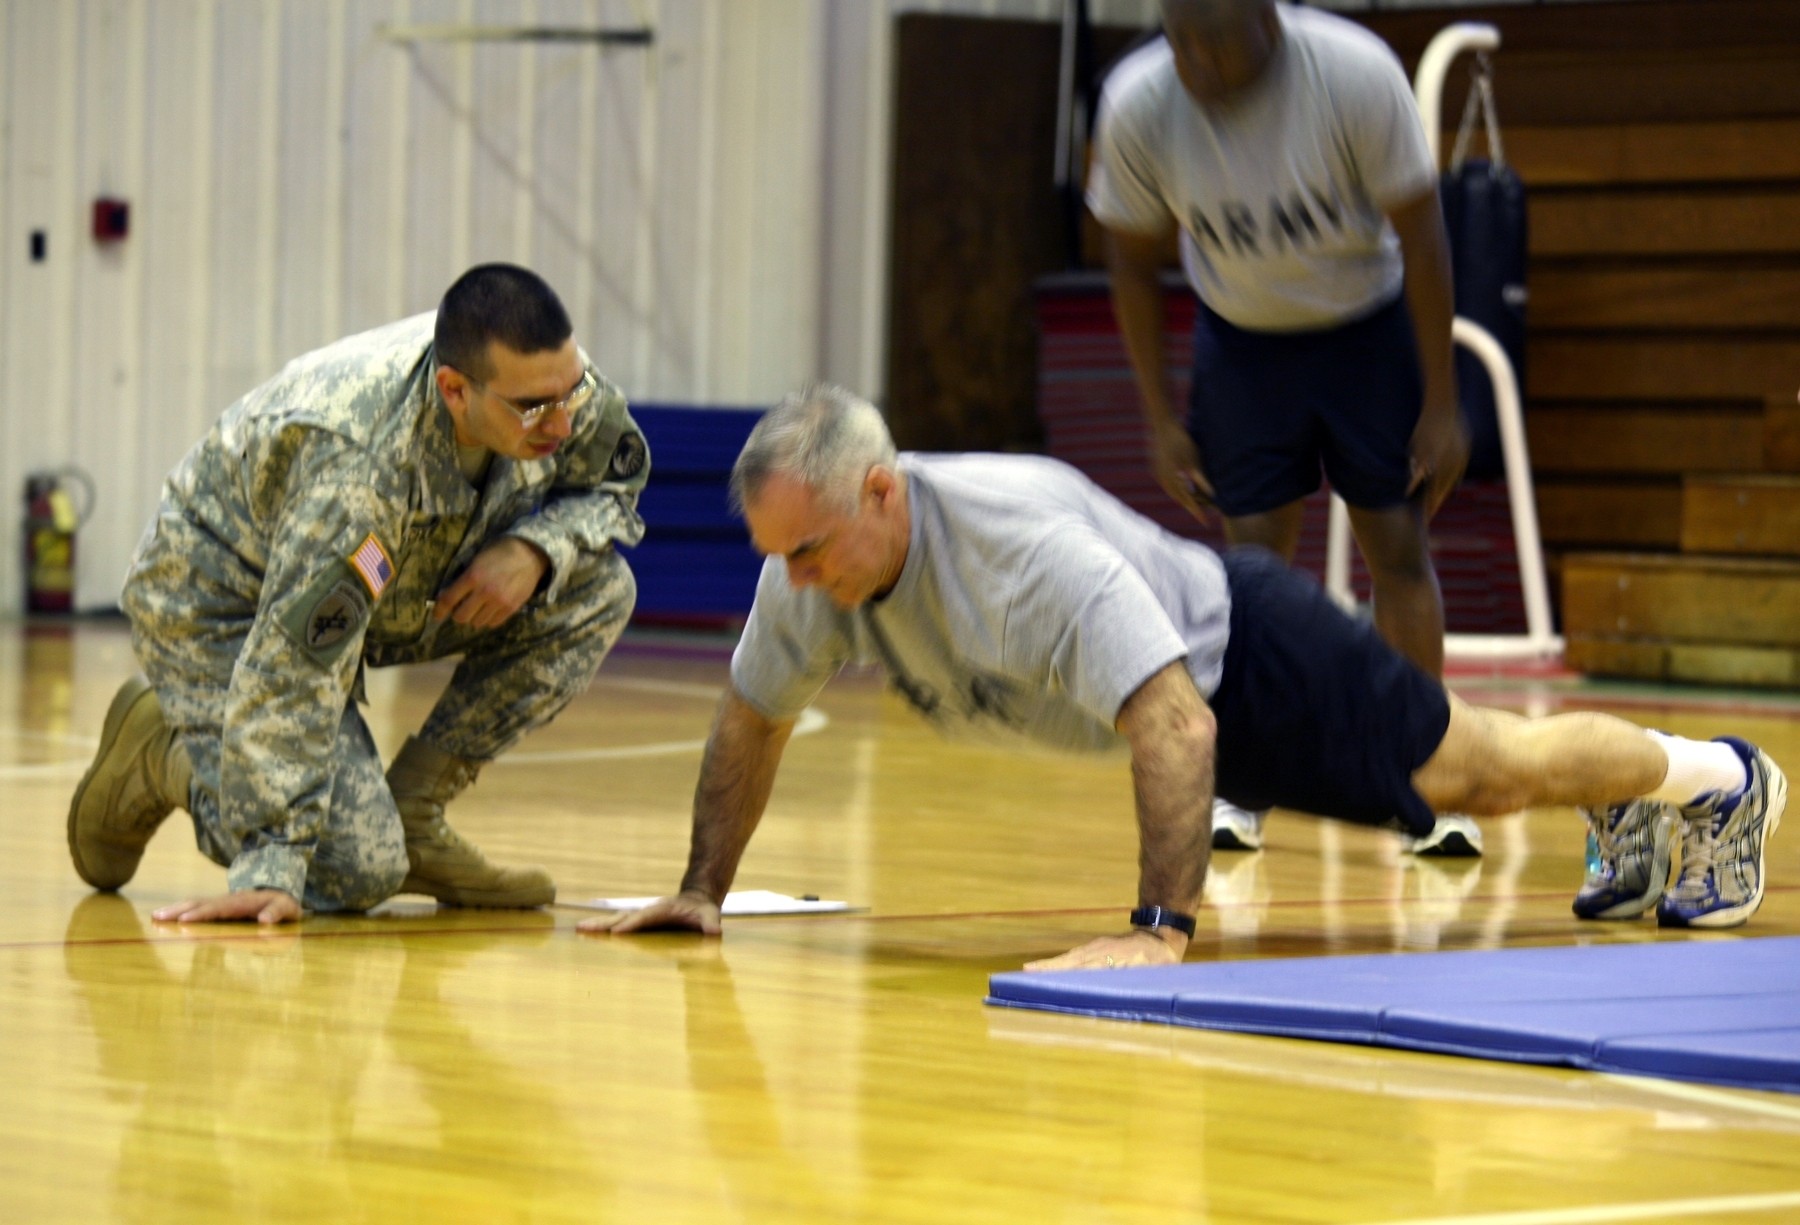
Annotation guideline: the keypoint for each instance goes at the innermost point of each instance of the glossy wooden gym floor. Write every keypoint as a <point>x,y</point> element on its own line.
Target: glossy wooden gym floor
<point>428,1065</point>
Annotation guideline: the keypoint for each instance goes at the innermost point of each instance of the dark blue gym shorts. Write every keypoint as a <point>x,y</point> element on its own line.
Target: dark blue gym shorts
<point>1315,711</point>
<point>1269,409</point>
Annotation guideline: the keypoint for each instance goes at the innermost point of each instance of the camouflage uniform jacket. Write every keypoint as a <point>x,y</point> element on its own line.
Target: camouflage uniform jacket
<point>317,520</point>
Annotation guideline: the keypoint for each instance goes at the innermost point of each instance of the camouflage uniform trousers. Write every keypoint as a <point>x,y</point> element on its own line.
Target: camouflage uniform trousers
<point>511,680</point>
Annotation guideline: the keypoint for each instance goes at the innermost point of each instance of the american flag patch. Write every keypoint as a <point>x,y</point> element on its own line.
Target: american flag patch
<point>371,561</point>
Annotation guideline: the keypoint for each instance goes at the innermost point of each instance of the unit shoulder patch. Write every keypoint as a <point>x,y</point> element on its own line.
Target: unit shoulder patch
<point>336,613</point>
<point>328,616</point>
<point>629,455</point>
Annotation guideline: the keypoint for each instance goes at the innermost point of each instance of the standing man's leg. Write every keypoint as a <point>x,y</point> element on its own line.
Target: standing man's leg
<point>1372,390</point>
<point>1409,615</point>
<point>1267,411</point>
<point>1409,607</point>
<point>510,681</point>
<point>1235,828</point>
<point>1259,452</point>
<point>1276,530</point>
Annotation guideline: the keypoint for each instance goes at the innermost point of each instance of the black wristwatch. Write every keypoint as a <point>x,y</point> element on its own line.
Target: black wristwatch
<point>1153,917</point>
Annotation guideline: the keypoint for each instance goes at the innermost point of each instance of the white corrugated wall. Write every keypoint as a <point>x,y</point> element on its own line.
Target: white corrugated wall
<point>713,208</point>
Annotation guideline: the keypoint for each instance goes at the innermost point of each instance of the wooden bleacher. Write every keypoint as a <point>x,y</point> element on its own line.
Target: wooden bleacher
<point>1660,144</point>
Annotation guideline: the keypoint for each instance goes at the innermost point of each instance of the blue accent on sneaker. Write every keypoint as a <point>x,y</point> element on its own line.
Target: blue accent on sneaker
<point>1592,860</point>
<point>1723,836</point>
<point>1627,859</point>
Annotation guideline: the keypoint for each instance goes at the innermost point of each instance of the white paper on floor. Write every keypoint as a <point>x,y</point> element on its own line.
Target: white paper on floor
<point>737,902</point>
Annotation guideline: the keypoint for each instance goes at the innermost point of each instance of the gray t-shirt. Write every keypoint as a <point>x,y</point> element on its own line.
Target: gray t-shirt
<point>1281,192</point>
<point>1031,606</point>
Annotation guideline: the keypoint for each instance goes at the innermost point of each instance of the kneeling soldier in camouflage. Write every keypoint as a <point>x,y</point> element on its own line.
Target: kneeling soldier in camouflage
<point>452,484</point>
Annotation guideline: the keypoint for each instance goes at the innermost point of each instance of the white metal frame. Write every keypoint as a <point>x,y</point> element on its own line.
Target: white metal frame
<point>1539,641</point>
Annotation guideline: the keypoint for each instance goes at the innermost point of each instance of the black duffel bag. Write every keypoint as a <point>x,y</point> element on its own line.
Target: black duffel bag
<point>1484,215</point>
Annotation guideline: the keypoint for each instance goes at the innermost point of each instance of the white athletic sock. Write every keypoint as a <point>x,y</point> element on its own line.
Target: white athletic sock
<point>1698,767</point>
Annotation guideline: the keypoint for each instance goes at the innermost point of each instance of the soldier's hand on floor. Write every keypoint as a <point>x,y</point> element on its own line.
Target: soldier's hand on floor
<point>495,586</point>
<point>684,911</point>
<point>1141,947</point>
<point>263,905</point>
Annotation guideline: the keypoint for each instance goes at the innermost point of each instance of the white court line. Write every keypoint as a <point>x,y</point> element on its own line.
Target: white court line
<point>811,720</point>
<point>80,742</point>
<point>46,769</point>
<point>1706,1095</point>
<point>1696,1209</point>
<point>54,769</point>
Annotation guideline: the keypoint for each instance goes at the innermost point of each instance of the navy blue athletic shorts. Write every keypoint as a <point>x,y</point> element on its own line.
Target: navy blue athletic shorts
<point>1315,711</point>
<point>1269,409</point>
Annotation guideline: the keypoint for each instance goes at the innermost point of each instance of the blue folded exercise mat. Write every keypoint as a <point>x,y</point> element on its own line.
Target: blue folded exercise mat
<point>1725,1011</point>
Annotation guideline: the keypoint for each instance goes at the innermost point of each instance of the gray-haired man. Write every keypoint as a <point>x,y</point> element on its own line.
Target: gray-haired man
<point>1008,597</point>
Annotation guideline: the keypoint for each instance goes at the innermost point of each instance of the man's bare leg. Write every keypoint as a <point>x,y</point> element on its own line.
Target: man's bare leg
<point>1637,787</point>
<point>1492,762</point>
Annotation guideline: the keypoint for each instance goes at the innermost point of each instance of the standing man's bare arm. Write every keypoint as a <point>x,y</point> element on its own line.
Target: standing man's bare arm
<point>1172,734</point>
<point>736,775</point>
<point>1440,444</point>
<point>1134,264</point>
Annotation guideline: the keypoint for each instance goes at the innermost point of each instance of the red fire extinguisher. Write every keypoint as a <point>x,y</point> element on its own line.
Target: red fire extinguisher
<point>52,518</point>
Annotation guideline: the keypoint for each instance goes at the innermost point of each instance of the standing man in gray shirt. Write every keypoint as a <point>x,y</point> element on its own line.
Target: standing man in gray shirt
<point>1010,598</point>
<point>1285,145</point>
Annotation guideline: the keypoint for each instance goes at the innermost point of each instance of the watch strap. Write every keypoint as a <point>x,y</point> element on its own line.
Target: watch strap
<point>1161,916</point>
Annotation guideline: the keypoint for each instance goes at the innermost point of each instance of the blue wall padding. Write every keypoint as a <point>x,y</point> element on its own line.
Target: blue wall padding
<point>695,562</point>
<point>1724,1011</point>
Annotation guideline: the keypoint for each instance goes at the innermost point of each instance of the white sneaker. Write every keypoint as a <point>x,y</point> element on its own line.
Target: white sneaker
<point>1236,829</point>
<point>1453,837</point>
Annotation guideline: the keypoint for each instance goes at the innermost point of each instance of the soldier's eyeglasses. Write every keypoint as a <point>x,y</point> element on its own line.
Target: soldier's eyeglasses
<point>531,413</point>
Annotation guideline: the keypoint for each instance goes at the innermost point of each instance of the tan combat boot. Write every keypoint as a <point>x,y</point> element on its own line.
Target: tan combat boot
<point>441,862</point>
<point>139,776</point>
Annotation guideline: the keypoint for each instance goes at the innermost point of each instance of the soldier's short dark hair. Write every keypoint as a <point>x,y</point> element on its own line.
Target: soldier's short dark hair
<point>502,302</point>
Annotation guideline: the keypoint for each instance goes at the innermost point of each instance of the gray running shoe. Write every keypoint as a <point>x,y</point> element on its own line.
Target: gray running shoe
<point>1723,836</point>
<point>1627,860</point>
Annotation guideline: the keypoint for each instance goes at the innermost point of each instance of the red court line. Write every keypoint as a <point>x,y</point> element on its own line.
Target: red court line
<point>191,934</point>
<point>1271,904</point>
